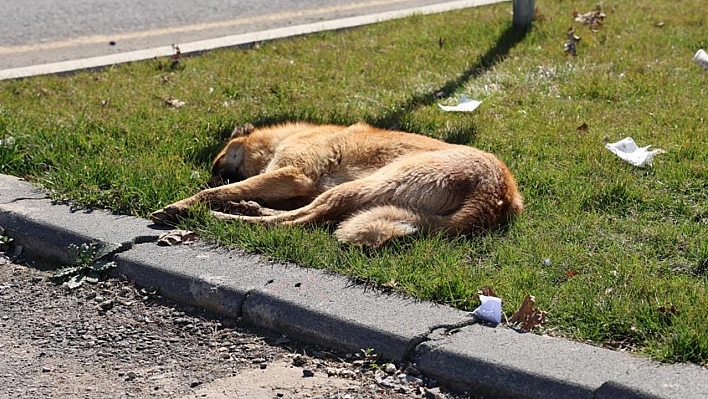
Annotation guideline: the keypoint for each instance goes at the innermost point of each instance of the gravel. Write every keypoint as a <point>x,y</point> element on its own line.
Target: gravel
<point>115,340</point>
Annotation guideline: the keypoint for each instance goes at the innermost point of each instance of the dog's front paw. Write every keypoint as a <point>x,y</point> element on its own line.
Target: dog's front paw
<point>245,208</point>
<point>167,215</point>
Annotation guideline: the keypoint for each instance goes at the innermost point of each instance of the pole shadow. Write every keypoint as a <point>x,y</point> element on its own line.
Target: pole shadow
<point>509,38</point>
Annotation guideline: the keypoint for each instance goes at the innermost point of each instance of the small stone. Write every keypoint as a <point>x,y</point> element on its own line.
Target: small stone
<point>258,360</point>
<point>225,355</point>
<point>308,373</point>
<point>195,384</point>
<point>414,380</point>
<point>433,393</point>
<point>46,369</point>
<point>390,368</point>
<point>263,366</point>
<point>106,305</point>
<point>347,374</point>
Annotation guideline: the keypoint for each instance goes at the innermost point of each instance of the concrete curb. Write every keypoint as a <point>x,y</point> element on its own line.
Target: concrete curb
<point>330,310</point>
<point>235,40</point>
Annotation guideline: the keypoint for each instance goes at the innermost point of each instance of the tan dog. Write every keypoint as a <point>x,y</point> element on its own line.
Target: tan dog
<point>378,184</point>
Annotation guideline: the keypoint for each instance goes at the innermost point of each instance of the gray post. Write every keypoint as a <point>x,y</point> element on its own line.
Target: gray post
<point>523,13</point>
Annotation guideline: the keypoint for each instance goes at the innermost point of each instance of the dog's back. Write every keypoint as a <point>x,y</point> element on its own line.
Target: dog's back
<point>397,182</point>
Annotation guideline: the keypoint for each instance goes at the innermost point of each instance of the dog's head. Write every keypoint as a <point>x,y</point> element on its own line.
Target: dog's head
<point>228,164</point>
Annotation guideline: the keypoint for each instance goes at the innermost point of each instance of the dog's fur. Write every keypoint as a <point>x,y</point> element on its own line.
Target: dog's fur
<point>377,184</point>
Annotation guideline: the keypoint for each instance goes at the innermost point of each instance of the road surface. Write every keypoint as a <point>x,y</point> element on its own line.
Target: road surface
<point>49,31</point>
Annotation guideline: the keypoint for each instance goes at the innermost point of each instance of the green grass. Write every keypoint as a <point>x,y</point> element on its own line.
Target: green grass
<point>637,238</point>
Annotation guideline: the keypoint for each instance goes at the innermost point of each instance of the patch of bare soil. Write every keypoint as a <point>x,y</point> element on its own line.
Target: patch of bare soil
<point>114,340</point>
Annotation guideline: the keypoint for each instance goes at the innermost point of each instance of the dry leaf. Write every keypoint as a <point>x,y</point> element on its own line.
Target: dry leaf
<point>173,102</point>
<point>593,18</point>
<point>668,310</point>
<point>177,53</point>
<point>177,237</point>
<point>528,314</point>
<point>488,291</point>
<point>571,273</point>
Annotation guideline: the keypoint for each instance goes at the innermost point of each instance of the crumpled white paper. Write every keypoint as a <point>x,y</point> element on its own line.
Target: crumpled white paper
<point>490,309</point>
<point>628,150</point>
<point>465,105</point>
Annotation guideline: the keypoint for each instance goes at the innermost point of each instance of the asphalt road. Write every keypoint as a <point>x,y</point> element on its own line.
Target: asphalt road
<point>48,31</point>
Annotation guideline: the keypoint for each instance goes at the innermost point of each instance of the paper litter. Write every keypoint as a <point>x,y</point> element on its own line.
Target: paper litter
<point>628,150</point>
<point>465,105</point>
<point>701,58</point>
<point>489,310</point>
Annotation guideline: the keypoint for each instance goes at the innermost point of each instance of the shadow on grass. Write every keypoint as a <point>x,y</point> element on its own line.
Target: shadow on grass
<point>508,39</point>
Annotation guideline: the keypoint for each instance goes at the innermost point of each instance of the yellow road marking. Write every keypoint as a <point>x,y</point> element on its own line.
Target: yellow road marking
<point>189,28</point>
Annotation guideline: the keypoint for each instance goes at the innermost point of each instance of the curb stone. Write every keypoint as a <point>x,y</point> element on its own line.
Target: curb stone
<point>324,308</point>
<point>308,304</point>
<point>504,363</point>
<point>46,229</point>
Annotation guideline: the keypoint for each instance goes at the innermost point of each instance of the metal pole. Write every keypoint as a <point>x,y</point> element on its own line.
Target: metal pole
<point>523,13</point>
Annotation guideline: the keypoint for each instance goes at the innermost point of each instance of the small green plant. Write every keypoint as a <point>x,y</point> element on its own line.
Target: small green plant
<point>369,357</point>
<point>5,241</point>
<point>90,264</point>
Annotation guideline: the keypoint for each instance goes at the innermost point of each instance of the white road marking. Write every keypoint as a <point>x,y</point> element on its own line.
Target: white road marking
<point>98,39</point>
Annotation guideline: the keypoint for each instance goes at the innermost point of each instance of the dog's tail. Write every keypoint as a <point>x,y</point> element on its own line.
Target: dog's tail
<point>374,226</point>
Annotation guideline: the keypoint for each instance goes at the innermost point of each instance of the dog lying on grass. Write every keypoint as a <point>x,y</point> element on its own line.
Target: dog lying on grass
<point>377,184</point>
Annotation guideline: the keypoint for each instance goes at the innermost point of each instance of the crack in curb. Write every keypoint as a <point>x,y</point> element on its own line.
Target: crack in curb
<point>412,348</point>
<point>25,199</point>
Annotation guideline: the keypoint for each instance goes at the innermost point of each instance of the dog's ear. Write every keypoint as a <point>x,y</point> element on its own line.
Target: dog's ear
<point>242,131</point>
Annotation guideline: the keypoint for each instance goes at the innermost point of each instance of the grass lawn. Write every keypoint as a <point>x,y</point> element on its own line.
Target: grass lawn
<point>628,247</point>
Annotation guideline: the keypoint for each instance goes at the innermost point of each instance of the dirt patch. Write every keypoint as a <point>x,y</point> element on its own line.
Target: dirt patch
<point>113,339</point>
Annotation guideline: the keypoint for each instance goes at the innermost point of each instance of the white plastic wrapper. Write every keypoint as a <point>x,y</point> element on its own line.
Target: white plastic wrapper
<point>701,58</point>
<point>490,309</point>
<point>465,105</point>
<point>628,150</point>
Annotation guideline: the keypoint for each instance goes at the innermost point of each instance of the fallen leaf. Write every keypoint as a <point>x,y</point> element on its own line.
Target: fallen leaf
<point>571,273</point>
<point>668,310</point>
<point>177,237</point>
<point>173,102</point>
<point>488,291</point>
<point>177,53</point>
<point>593,18</point>
<point>528,315</point>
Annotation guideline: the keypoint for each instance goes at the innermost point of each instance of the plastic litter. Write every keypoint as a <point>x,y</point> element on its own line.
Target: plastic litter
<point>628,150</point>
<point>573,40</point>
<point>701,58</point>
<point>489,310</point>
<point>465,105</point>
